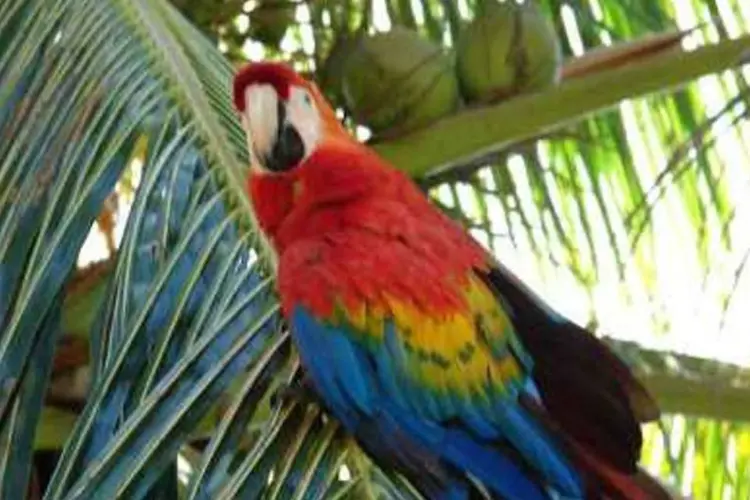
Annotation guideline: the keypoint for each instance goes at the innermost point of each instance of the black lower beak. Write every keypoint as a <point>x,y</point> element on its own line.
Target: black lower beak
<point>287,152</point>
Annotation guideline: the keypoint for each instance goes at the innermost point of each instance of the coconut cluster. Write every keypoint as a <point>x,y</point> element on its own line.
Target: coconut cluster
<point>399,80</point>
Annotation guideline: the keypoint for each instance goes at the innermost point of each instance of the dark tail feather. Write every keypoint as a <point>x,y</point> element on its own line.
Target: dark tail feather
<point>603,480</point>
<point>586,389</point>
<point>384,440</point>
<point>580,389</point>
<point>590,398</point>
<point>537,322</point>
<point>615,485</point>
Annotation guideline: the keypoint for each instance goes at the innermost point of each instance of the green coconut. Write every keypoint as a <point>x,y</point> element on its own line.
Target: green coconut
<point>399,81</point>
<point>269,21</point>
<point>506,50</point>
<point>332,72</point>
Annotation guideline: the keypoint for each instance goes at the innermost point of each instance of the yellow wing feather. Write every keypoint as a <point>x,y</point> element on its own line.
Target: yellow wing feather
<point>464,352</point>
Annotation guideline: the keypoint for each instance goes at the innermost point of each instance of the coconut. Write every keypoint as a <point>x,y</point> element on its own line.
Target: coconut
<point>269,21</point>
<point>332,71</point>
<point>399,80</point>
<point>507,49</point>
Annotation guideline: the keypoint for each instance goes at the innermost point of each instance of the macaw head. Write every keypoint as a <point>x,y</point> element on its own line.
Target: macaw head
<point>285,116</point>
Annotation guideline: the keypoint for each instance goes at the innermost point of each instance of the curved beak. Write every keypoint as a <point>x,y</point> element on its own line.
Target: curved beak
<point>287,148</point>
<point>273,139</point>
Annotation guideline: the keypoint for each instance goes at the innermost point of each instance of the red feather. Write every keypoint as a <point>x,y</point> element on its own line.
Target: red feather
<point>347,187</point>
<point>279,76</point>
<point>273,199</point>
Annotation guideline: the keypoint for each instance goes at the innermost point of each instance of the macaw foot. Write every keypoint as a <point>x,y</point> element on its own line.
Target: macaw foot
<point>301,389</point>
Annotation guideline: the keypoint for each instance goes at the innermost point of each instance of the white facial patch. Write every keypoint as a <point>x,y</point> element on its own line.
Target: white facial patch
<point>302,114</point>
<point>259,119</point>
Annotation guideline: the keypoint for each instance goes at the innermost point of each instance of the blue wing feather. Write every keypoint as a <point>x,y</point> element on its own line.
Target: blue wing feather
<point>365,388</point>
<point>320,361</point>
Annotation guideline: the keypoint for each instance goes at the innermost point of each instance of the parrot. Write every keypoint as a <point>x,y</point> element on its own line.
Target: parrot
<point>440,362</point>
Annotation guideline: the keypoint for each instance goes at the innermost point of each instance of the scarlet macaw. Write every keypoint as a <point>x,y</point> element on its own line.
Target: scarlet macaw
<point>433,355</point>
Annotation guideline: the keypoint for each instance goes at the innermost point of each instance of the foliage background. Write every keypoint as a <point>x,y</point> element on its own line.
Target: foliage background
<point>630,221</point>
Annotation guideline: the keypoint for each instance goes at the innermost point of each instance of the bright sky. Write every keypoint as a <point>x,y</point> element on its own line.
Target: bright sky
<point>689,303</point>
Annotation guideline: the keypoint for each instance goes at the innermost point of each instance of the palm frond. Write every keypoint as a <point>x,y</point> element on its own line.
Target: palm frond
<point>73,131</point>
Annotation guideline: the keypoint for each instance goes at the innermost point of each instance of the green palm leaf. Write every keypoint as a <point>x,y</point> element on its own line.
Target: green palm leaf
<point>71,140</point>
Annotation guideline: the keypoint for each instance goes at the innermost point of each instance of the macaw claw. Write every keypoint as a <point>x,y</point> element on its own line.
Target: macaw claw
<point>300,390</point>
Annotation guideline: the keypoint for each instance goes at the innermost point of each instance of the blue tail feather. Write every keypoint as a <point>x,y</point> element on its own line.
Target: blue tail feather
<point>490,466</point>
<point>462,450</point>
<point>399,424</point>
<point>534,444</point>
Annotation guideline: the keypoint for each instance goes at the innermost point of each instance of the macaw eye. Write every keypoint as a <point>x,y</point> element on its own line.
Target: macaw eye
<point>308,100</point>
